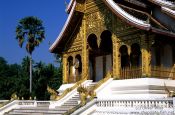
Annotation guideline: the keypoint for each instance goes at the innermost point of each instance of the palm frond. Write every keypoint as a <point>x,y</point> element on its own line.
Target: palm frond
<point>30,29</point>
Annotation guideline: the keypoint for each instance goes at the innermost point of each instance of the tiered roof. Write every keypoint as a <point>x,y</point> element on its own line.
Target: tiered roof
<point>138,13</point>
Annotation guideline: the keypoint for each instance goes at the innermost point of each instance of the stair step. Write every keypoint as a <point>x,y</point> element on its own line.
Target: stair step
<point>40,108</point>
<point>63,108</point>
<point>70,104</point>
<point>76,97</point>
<point>72,100</point>
<point>36,110</point>
<point>13,113</point>
<point>44,110</point>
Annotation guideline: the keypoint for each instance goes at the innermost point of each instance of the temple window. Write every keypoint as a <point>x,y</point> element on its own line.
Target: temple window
<point>92,41</point>
<point>106,41</point>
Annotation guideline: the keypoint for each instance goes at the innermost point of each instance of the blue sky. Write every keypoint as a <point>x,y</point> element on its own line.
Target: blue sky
<point>51,12</point>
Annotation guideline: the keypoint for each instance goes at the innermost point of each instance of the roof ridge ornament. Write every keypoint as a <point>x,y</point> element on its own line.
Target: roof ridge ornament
<point>65,3</point>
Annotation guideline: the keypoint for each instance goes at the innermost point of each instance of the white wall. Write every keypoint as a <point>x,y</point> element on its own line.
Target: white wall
<point>108,63</point>
<point>99,68</point>
<point>141,88</point>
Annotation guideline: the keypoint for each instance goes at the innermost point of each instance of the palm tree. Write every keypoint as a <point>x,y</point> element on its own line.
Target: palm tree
<point>30,31</point>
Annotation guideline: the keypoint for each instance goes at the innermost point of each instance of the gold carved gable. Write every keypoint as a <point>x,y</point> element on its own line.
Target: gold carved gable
<point>99,18</point>
<point>75,42</point>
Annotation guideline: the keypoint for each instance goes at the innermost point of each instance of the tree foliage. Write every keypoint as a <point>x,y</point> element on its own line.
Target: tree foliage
<point>31,31</point>
<point>14,78</point>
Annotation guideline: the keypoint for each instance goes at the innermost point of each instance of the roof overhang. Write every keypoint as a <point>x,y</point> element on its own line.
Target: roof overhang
<point>133,21</point>
<point>164,3</point>
<point>70,5</point>
<point>58,45</point>
<point>168,11</point>
<point>69,26</point>
<point>116,9</point>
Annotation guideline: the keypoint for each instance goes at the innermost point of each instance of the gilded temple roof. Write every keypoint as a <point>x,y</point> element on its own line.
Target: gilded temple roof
<point>142,14</point>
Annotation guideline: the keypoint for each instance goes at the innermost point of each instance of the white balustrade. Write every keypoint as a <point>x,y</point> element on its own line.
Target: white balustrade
<point>167,103</point>
<point>160,106</point>
<point>23,103</point>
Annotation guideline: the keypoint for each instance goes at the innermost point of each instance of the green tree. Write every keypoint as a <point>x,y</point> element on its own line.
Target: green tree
<point>30,31</point>
<point>22,86</point>
<point>8,78</point>
<point>14,79</point>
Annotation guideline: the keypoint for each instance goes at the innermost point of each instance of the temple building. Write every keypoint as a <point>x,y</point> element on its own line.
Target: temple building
<point>133,40</point>
<point>130,38</point>
<point>118,59</point>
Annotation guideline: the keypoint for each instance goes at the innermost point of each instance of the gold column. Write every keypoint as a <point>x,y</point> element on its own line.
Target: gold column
<point>129,49</point>
<point>146,56</point>
<point>65,79</point>
<point>116,58</point>
<point>85,57</point>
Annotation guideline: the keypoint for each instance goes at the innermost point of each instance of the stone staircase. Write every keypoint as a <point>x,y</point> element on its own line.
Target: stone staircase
<point>44,110</point>
<point>71,103</point>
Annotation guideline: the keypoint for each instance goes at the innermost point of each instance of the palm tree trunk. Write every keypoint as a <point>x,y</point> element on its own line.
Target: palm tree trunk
<point>30,73</point>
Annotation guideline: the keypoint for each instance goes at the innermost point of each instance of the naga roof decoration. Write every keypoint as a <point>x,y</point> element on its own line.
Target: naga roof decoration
<point>124,9</point>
